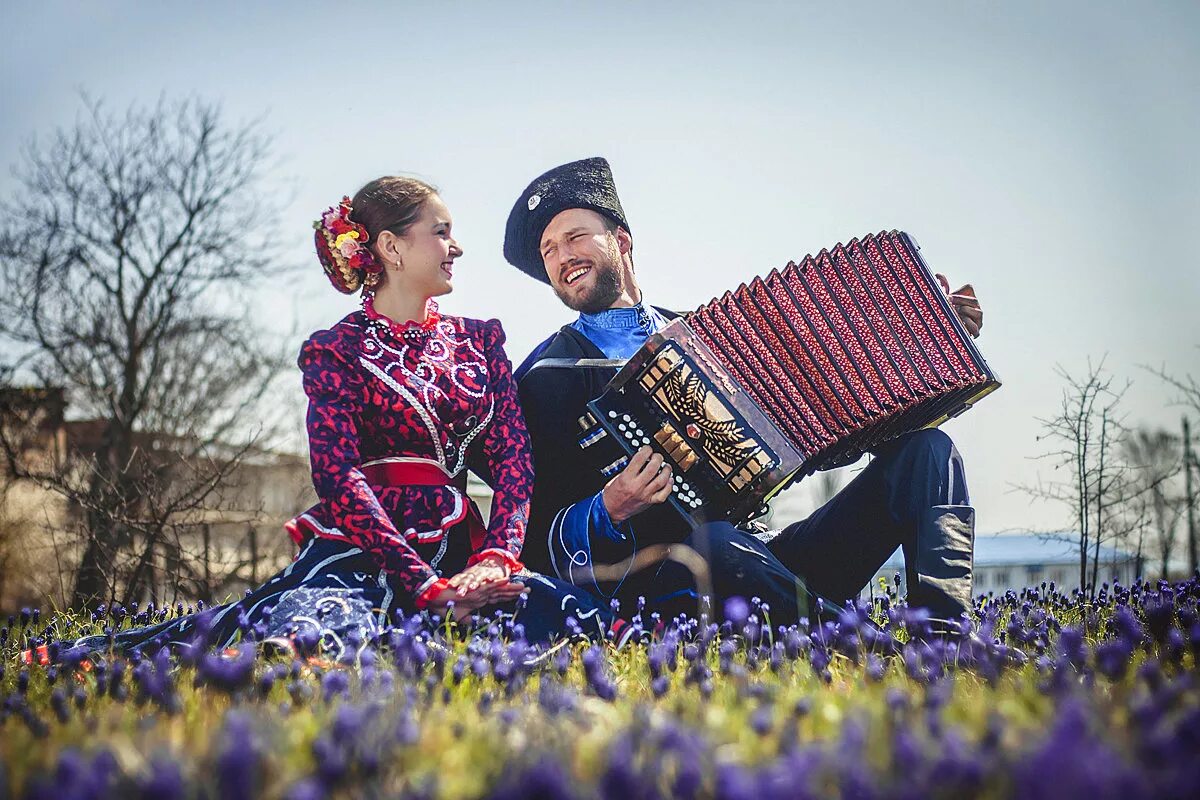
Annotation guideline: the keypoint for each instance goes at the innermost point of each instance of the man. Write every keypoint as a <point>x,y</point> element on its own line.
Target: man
<point>568,230</point>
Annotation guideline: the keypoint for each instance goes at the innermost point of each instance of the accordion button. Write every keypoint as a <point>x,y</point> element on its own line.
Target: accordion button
<point>612,415</point>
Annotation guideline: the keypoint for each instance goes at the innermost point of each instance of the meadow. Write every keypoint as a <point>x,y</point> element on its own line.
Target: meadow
<point>1043,694</point>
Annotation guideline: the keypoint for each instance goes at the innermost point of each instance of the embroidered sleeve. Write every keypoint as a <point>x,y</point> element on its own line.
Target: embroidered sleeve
<point>334,388</point>
<point>502,457</point>
<point>574,534</point>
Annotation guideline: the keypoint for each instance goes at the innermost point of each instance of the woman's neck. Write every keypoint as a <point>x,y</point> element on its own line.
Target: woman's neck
<point>400,306</point>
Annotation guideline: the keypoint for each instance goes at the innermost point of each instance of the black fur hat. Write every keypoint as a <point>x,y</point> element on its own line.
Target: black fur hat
<point>580,184</point>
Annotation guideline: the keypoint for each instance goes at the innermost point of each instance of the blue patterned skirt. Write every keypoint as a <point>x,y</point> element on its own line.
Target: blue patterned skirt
<point>334,594</point>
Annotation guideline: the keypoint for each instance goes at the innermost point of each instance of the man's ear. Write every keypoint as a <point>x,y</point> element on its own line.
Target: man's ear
<point>624,241</point>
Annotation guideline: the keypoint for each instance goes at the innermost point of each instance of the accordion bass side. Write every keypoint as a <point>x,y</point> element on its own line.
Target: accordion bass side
<point>805,369</point>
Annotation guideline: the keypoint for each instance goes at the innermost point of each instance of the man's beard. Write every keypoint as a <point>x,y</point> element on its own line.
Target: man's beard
<point>606,288</point>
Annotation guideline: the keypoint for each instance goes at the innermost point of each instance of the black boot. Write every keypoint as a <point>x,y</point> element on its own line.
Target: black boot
<point>940,576</point>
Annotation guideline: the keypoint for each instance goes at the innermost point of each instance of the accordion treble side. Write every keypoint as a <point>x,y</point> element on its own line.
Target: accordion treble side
<point>802,370</point>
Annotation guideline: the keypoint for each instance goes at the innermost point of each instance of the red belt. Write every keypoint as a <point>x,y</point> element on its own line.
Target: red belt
<point>411,473</point>
<point>427,473</point>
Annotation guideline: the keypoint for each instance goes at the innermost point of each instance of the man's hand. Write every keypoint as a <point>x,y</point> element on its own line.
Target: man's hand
<point>965,305</point>
<point>645,482</point>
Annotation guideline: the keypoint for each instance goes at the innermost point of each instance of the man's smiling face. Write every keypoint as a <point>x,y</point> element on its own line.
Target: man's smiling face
<point>582,254</point>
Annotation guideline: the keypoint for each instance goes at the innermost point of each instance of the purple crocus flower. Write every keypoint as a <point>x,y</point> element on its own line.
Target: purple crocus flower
<point>1071,645</point>
<point>58,702</point>
<point>335,683</point>
<point>762,719</point>
<point>332,759</point>
<point>737,611</point>
<point>1112,658</point>
<point>734,782</point>
<point>227,673</point>
<point>407,731</point>
<point>875,668</point>
<point>1082,764</point>
<point>544,779</point>
<point>238,758</point>
<point>165,781</point>
<point>1128,627</point>
<point>595,670</point>
<point>305,789</point>
<point>620,779</point>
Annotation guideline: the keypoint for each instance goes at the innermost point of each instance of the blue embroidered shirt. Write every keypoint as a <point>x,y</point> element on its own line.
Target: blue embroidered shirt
<point>619,332</point>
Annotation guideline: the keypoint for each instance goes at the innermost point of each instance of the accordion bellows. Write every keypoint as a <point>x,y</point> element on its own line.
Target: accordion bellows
<point>801,370</point>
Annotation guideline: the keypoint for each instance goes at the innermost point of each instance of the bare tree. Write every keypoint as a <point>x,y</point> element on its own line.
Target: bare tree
<point>1155,457</point>
<point>1085,439</point>
<point>125,254</point>
<point>1189,396</point>
<point>1187,385</point>
<point>1190,497</point>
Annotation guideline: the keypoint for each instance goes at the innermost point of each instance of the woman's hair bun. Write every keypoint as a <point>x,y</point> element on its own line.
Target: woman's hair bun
<point>343,252</point>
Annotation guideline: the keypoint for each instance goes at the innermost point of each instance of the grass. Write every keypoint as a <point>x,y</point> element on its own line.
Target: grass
<point>794,726</point>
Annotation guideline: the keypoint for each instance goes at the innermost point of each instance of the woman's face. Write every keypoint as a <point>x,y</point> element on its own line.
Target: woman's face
<point>427,252</point>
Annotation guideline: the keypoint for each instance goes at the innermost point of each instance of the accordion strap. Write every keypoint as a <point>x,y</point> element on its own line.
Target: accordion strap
<point>578,363</point>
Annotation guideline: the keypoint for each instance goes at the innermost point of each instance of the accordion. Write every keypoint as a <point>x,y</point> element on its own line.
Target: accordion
<point>803,370</point>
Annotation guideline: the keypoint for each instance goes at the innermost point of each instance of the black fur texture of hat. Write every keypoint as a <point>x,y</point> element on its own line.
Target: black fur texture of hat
<point>581,184</point>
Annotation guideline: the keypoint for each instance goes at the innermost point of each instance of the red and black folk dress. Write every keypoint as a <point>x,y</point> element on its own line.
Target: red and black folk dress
<point>397,414</point>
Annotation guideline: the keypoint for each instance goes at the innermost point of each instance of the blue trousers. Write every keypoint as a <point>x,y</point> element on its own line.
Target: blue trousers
<point>913,495</point>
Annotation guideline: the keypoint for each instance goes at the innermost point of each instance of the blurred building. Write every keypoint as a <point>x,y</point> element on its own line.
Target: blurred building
<point>232,542</point>
<point>1006,561</point>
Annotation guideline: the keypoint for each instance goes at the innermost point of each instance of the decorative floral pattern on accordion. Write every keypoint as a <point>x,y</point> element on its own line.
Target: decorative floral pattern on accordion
<point>680,390</point>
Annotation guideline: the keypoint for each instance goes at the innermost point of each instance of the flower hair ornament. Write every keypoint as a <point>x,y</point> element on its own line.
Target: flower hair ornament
<point>342,249</point>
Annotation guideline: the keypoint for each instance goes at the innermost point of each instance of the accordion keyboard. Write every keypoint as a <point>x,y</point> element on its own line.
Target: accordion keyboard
<point>672,448</point>
<point>674,407</point>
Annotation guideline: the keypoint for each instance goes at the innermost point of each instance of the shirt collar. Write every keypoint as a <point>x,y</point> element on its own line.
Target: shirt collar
<point>619,318</point>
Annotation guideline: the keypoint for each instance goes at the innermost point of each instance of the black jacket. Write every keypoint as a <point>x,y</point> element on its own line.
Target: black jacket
<point>553,399</point>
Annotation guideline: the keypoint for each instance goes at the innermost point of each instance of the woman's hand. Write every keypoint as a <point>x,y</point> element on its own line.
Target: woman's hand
<point>484,595</point>
<point>490,570</point>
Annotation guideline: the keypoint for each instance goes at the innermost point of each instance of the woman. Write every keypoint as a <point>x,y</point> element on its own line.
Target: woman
<point>402,400</point>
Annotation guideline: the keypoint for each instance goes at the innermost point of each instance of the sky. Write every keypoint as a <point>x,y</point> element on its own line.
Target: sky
<point>1044,152</point>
